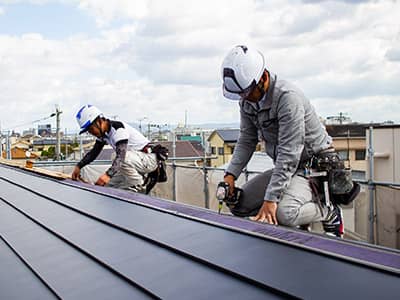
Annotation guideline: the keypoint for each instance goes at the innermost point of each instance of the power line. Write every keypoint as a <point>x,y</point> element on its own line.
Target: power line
<point>28,123</point>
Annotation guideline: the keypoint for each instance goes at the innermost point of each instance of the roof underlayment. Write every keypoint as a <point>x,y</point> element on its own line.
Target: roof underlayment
<point>63,239</point>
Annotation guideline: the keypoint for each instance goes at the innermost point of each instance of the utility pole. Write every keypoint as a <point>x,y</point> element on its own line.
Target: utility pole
<point>58,144</point>
<point>1,145</point>
<point>8,145</point>
<point>140,123</point>
<point>185,119</point>
<point>66,144</point>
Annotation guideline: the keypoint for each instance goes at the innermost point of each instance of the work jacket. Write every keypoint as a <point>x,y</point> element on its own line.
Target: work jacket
<point>290,128</point>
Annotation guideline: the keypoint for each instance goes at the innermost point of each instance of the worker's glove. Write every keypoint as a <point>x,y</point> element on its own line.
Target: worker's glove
<point>230,180</point>
<point>76,173</point>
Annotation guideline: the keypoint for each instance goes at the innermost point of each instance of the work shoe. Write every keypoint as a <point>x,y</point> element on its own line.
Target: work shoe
<point>333,224</point>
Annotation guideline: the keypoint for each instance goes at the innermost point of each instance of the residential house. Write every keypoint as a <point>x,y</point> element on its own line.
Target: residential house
<point>21,150</point>
<point>45,144</point>
<point>349,142</point>
<point>222,144</point>
<point>188,152</point>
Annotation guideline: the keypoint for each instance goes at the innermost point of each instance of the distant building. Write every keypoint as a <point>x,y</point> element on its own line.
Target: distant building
<point>21,150</point>
<point>30,131</point>
<point>349,141</point>
<point>222,144</point>
<point>190,150</point>
<point>44,130</point>
<point>45,144</point>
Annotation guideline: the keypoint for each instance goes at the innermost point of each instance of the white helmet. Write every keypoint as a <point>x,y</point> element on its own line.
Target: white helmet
<point>86,115</point>
<point>241,70</point>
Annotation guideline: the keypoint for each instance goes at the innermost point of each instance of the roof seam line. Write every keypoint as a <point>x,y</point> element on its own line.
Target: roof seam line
<point>106,266</point>
<point>25,262</point>
<point>148,239</point>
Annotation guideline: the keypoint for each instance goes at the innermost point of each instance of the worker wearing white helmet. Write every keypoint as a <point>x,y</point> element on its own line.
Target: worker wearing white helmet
<point>277,113</point>
<point>134,158</point>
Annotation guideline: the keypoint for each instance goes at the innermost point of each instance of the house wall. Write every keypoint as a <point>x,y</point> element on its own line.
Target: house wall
<point>386,145</point>
<point>352,144</point>
<point>217,142</point>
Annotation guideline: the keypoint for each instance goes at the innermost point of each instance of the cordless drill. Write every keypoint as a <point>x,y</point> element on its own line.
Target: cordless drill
<point>223,195</point>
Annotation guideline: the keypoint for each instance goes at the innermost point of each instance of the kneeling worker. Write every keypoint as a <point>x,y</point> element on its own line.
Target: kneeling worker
<point>133,159</point>
<point>278,113</point>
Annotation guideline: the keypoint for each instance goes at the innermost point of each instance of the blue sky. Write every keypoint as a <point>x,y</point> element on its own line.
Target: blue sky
<point>158,59</point>
<point>52,20</point>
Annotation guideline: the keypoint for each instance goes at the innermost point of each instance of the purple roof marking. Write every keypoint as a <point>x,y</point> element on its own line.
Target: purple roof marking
<point>349,249</point>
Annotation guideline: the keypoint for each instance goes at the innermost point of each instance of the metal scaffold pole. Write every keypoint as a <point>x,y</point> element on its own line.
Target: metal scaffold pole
<point>174,167</point>
<point>1,144</point>
<point>371,188</point>
<point>8,145</point>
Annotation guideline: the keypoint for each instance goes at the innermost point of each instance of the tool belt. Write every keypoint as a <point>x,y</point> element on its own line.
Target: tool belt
<point>330,179</point>
<point>160,151</point>
<point>159,174</point>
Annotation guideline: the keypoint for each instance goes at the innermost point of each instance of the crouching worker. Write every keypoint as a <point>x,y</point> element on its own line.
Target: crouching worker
<point>278,113</point>
<point>135,158</point>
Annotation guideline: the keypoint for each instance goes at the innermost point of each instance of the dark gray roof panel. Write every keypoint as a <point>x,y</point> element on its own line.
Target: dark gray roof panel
<point>229,135</point>
<point>167,255</point>
<point>62,266</point>
<point>144,262</point>
<point>14,273</point>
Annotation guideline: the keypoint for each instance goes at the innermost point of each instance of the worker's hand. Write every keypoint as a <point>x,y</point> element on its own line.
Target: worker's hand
<point>76,173</point>
<point>267,213</point>
<point>229,179</point>
<point>103,180</point>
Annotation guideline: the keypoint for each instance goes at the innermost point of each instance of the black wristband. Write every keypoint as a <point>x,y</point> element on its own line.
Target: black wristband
<point>110,173</point>
<point>227,173</point>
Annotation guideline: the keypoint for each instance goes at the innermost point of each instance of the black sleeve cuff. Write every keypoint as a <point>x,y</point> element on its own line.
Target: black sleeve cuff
<point>227,173</point>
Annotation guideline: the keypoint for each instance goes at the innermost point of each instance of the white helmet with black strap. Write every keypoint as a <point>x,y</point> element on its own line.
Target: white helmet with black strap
<point>86,116</point>
<point>241,69</point>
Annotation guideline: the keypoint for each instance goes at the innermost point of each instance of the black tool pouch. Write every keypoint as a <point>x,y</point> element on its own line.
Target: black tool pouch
<point>342,188</point>
<point>160,151</point>
<point>158,175</point>
<point>340,181</point>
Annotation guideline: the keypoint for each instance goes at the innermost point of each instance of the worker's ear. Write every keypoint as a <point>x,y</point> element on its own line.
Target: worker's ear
<point>265,75</point>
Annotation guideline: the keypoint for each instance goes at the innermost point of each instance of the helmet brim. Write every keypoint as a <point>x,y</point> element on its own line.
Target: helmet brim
<point>83,130</point>
<point>229,95</point>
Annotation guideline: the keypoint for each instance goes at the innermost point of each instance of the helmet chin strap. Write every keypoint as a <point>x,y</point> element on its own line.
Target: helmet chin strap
<point>99,128</point>
<point>262,89</point>
<point>262,92</point>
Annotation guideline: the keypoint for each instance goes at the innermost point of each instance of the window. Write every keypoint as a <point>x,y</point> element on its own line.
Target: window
<point>220,150</point>
<point>213,150</point>
<point>232,149</point>
<point>343,154</point>
<point>360,154</point>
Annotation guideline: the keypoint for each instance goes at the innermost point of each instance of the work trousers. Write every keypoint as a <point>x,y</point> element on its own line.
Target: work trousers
<point>296,206</point>
<point>133,168</point>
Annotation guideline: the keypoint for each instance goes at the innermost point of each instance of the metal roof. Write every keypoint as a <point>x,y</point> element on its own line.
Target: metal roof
<point>346,130</point>
<point>61,239</point>
<point>228,135</point>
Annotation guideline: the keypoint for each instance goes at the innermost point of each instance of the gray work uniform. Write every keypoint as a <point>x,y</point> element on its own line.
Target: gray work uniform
<point>285,119</point>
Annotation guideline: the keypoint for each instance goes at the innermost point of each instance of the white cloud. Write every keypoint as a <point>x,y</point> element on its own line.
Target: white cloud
<point>159,58</point>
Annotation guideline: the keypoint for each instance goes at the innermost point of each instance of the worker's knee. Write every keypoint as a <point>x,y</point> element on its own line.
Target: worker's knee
<point>287,215</point>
